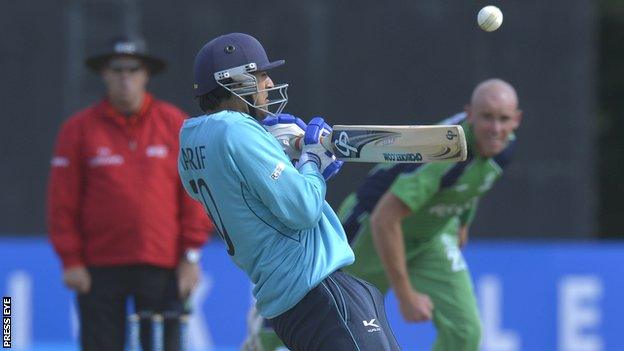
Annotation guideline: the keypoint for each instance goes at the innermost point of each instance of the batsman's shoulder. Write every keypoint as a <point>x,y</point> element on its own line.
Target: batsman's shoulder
<point>241,125</point>
<point>246,138</point>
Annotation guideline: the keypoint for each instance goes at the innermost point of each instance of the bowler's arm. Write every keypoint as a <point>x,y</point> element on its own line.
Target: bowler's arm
<point>388,239</point>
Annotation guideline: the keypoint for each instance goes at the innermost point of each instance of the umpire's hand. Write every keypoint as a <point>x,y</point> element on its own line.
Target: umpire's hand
<point>77,278</point>
<point>188,277</point>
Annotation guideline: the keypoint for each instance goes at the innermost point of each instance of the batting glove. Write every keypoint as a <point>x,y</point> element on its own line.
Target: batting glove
<point>285,127</point>
<point>314,151</point>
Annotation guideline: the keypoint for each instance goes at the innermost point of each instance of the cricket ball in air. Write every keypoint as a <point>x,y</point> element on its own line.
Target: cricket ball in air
<point>490,18</point>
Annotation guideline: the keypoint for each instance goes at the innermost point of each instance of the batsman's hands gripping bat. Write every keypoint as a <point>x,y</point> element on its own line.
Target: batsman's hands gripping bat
<point>396,144</point>
<point>285,127</point>
<point>313,151</point>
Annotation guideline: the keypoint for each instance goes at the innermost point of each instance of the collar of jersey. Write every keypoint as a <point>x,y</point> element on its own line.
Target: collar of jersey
<point>112,113</point>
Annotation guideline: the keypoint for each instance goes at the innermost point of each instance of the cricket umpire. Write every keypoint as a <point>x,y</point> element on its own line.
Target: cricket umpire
<point>119,219</point>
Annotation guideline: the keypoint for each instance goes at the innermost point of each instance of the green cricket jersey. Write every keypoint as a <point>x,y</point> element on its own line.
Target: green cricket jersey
<point>441,196</point>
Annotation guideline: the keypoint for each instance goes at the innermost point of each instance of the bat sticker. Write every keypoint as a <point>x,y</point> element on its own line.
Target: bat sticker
<point>342,144</point>
<point>450,135</point>
<point>402,157</point>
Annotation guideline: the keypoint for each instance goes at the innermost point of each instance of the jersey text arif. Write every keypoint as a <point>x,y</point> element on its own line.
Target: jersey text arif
<point>193,158</point>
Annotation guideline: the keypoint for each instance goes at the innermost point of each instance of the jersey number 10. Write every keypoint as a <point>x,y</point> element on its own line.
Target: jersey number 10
<point>200,188</point>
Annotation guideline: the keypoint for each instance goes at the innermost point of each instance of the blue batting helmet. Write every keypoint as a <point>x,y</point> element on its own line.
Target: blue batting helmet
<point>225,52</point>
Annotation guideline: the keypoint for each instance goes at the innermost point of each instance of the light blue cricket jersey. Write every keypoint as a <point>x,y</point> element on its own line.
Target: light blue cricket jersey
<point>274,219</point>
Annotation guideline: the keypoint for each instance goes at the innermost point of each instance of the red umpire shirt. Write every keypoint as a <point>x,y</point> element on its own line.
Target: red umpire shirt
<point>114,197</point>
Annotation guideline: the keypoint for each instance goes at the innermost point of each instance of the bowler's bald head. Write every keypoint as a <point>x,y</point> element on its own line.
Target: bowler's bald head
<point>495,91</point>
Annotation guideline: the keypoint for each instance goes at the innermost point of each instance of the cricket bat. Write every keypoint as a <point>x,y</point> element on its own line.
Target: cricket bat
<point>395,144</point>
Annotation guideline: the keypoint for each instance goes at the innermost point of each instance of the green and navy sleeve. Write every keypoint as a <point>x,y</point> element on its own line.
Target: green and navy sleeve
<point>418,187</point>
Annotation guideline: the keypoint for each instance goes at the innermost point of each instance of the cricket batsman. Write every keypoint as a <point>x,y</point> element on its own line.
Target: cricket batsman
<point>271,214</point>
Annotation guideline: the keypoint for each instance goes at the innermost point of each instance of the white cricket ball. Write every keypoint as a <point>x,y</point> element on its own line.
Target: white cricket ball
<point>490,18</point>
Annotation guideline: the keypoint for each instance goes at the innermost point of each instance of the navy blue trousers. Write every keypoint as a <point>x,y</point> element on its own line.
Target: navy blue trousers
<point>341,313</point>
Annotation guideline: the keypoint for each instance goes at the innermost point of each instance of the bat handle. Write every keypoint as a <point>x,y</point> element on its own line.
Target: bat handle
<point>297,143</point>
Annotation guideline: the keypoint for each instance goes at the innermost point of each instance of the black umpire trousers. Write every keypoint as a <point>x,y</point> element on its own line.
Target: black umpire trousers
<point>103,310</point>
